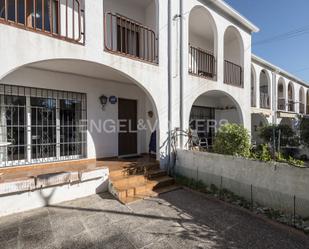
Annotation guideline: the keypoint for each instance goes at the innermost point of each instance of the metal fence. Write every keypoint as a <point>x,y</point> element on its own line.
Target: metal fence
<point>288,209</point>
<point>201,63</point>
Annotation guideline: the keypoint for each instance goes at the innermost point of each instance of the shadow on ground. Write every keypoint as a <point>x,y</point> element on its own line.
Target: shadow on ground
<point>179,219</point>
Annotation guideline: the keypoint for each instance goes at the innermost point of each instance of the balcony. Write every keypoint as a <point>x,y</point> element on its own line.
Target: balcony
<point>291,106</point>
<point>201,63</point>
<point>301,108</point>
<point>58,19</point>
<point>127,37</point>
<point>233,74</point>
<point>264,101</point>
<point>281,104</point>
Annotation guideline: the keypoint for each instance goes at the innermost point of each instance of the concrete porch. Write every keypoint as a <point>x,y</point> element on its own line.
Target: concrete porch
<point>44,184</point>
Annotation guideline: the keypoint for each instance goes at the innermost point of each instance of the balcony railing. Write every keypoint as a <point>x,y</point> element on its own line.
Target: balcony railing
<point>232,74</point>
<point>201,63</point>
<point>264,101</point>
<point>301,108</point>
<point>64,20</point>
<point>253,100</point>
<point>291,106</point>
<point>281,104</point>
<point>127,37</point>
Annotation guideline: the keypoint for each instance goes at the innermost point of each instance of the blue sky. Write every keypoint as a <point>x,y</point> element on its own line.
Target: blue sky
<point>275,17</point>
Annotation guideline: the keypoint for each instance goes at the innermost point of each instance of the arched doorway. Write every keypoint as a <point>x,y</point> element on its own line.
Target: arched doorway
<point>211,110</point>
<point>281,95</point>
<point>291,97</point>
<point>75,109</point>
<point>233,57</point>
<point>202,43</point>
<point>264,90</point>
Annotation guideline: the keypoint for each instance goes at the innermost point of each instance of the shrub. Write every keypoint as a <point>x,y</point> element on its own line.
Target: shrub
<point>263,153</point>
<point>232,139</point>
<point>287,135</point>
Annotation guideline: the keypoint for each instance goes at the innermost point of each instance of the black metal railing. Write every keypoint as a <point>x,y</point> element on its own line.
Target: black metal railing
<point>64,20</point>
<point>264,100</point>
<point>291,106</point>
<point>233,74</point>
<point>129,38</point>
<point>201,63</point>
<point>281,104</point>
<point>301,108</point>
<point>253,100</point>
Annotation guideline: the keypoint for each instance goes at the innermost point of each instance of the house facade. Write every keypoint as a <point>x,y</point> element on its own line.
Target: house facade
<point>102,79</point>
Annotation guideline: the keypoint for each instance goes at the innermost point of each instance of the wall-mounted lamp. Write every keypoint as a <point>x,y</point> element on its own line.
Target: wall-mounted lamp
<point>103,100</point>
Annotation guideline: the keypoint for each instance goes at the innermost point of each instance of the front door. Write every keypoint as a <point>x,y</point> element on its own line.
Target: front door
<point>127,137</point>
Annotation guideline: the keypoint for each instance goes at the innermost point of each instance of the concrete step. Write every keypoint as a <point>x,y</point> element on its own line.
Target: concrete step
<point>155,173</point>
<point>123,182</point>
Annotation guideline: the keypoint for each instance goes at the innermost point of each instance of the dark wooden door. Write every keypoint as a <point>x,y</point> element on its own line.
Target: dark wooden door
<point>127,137</point>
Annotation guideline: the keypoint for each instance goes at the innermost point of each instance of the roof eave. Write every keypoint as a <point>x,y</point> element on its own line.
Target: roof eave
<point>235,14</point>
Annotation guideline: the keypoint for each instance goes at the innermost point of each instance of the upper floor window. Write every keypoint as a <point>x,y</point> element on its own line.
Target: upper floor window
<point>132,31</point>
<point>63,19</point>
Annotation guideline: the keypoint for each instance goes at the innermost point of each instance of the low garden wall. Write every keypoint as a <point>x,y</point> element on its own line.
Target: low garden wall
<point>275,185</point>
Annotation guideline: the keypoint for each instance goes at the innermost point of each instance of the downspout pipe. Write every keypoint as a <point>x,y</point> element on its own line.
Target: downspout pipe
<point>181,73</point>
<point>170,79</point>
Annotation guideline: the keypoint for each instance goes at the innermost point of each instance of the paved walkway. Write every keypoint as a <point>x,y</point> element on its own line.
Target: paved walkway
<point>179,219</point>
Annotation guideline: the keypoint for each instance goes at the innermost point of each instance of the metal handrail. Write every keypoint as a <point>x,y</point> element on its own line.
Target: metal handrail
<point>233,74</point>
<point>127,37</point>
<point>201,63</point>
<point>33,16</point>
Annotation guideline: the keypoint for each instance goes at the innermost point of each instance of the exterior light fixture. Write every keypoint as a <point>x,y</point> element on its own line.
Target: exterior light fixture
<point>103,100</point>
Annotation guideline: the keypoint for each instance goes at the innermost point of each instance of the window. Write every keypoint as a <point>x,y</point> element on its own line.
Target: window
<point>40,125</point>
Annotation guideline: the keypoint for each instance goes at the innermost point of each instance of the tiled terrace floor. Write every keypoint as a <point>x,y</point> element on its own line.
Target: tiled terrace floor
<point>179,219</point>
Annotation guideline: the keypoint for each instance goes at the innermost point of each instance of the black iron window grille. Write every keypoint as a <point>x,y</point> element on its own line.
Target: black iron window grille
<point>41,125</point>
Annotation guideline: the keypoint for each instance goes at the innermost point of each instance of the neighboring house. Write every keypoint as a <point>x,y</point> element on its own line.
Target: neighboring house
<point>68,62</point>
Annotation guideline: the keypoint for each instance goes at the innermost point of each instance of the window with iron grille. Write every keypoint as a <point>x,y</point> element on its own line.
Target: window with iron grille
<point>41,125</point>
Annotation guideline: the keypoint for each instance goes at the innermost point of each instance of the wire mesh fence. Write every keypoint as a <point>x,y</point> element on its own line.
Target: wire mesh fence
<point>288,209</point>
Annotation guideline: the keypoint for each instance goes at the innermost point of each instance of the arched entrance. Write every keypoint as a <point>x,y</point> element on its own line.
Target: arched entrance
<point>65,109</point>
<point>211,110</point>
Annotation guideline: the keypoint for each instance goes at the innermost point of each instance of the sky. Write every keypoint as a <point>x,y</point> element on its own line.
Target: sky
<point>277,17</point>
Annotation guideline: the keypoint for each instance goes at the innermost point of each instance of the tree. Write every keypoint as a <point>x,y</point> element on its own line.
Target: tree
<point>232,139</point>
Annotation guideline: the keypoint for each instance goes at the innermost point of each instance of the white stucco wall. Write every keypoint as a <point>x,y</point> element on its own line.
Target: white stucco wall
<point>273,185</point>
<point>101,143</point>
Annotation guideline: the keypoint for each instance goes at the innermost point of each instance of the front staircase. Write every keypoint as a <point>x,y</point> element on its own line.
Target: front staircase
<point>133,181</point>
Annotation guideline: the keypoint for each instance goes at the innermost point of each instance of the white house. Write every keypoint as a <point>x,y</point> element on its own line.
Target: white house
<point>75,74</point>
